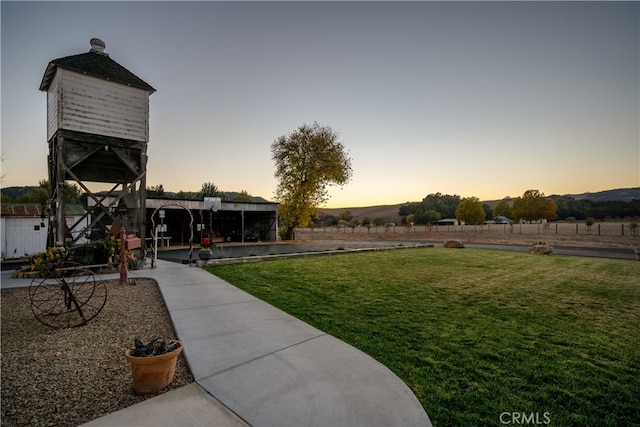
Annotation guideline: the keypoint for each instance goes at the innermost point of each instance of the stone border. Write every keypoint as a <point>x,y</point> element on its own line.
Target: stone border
<point>238,260</point>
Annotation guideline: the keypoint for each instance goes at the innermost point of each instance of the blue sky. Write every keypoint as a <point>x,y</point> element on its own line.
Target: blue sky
<point>485,99</point>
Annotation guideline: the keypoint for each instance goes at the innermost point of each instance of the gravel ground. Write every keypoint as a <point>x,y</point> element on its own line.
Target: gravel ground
<point>66,377</point>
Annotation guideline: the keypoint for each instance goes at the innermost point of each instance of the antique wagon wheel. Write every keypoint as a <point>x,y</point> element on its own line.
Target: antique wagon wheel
<point>67,297</point>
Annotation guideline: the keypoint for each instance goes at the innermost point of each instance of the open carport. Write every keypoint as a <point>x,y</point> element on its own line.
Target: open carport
<point>232,221</point>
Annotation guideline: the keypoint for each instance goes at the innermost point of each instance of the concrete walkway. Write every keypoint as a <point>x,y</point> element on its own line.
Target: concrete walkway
<point>256,365</point>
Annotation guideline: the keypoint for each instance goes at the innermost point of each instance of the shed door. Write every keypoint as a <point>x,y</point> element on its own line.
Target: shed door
<point>24,237</point>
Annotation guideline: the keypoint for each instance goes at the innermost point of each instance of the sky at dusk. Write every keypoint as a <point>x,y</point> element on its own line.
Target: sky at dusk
<point>485,99</point>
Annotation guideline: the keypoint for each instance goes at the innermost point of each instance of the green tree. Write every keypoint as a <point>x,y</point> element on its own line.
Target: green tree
<point>570,207</point>
<point>503,208</point>
<point>589,223</point>
<point>209,189</point>
<point>409,208</point>
<point>328,220</point>
<point>470,211</point>
<point>487,211</point>
<point>534,206</point>
<point>432,216</point>
<point>409,220</point>
<point>307,161</point>
<point>156,191</point>
<point>445,204</point>
<point>243,197</point>
<point>346,215</point>
<point>40,194</point>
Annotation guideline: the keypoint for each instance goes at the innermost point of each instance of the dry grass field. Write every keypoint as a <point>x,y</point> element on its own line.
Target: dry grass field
<point>601,235</point>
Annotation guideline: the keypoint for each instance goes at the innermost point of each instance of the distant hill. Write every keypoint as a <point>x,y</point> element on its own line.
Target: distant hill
<point>390,212</point>
<point>14,192</point>
<point>619,195</point>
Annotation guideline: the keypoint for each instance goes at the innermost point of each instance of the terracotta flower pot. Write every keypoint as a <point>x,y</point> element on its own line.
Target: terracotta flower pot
<point>153,373</point>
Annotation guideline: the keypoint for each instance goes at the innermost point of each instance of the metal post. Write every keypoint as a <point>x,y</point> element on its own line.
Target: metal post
<point>242,226</point>
<point>61,223</point>
<point>161,213</point>
<point>124,278</point>
<point>155,246</point>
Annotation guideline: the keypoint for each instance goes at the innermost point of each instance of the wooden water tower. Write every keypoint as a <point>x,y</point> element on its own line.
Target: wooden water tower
<point>98,131</point>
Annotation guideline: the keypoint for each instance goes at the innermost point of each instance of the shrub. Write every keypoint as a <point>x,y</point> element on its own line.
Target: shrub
<point>47,259</point>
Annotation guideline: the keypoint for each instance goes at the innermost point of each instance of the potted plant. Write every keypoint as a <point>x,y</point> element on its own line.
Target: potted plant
<point>205,253</point>
<point>205,248</point>
<point>154,364</point>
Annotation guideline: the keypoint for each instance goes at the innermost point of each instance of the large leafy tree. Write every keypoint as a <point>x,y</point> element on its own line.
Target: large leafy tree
<point>569,206</point>
<point>209,189</point>
<point>40,194</point>
<point>243,197</point>
<point>156,191</point>
<point>470,211</point>
<point>307,161</point>
<point>533,206</point>
<point>444,205</point>
<point>503,208</point>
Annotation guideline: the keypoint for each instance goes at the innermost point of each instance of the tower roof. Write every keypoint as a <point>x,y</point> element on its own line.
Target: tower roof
<point>95,63</point>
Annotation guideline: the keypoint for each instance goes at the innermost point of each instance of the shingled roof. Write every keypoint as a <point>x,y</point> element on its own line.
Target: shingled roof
<point>97,64</point>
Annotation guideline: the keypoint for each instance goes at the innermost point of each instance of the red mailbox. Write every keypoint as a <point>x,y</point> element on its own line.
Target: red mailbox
<point>132,242</point>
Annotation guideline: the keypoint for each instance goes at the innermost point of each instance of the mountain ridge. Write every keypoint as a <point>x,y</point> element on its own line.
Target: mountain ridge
<point>389,213</point>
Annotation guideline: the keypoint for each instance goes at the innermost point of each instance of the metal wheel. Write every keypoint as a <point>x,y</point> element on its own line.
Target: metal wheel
<point>67,298</point>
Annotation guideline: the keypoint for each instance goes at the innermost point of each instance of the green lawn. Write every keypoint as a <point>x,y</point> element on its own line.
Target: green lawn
<point>477,333</point>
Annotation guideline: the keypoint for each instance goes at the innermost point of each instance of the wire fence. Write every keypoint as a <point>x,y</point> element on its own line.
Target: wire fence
<point>556,228</point>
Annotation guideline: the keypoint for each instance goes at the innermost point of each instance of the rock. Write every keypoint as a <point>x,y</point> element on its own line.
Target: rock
<point>453,244</point>
<point>541,248</point>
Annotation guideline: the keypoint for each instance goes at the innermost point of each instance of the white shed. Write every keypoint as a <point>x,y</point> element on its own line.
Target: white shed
<point>24,230</point>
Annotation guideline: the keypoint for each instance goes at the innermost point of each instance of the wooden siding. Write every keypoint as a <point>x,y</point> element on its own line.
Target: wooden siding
<point>87,104</point>
<point>52,109</point>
